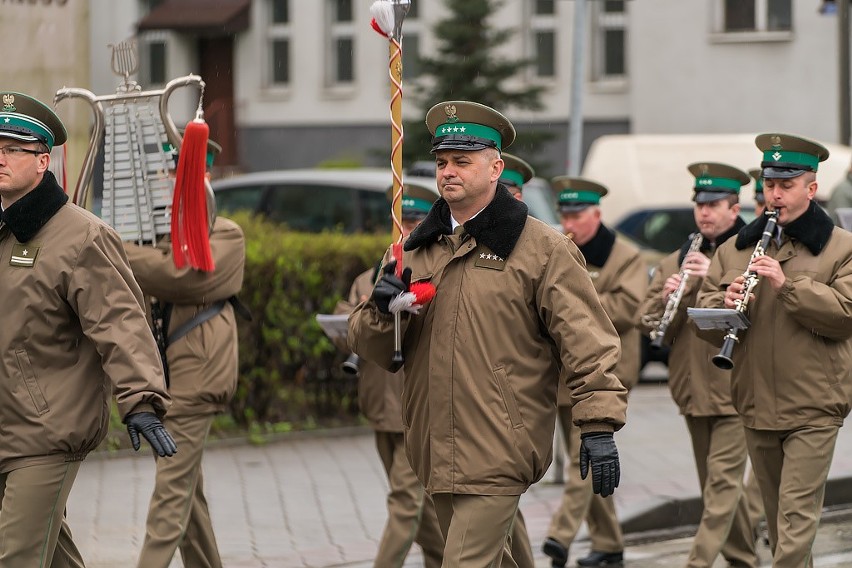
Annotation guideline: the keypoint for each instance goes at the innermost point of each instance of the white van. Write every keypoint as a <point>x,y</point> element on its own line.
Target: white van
<point>649,170</point>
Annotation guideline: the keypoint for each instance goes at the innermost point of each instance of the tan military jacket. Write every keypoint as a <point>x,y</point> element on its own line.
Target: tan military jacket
<point>74,330</point>
<point>379,391</point>
<point>203,364</point>
<point>620,284</point>
<point>514,310</point>
<point>698,387</point>
<point>793,366</point>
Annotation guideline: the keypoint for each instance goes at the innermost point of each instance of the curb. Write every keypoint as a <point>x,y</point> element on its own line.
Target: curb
<point>670,513</point>
<point>243,440</point>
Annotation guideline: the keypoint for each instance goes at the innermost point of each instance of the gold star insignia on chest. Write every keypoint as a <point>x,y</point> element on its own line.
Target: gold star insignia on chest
<point>487,259</point>
<point>23,255</point>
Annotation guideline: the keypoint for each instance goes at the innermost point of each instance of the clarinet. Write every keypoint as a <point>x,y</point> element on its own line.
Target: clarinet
<point>675,297</point>
<point>723,359</point>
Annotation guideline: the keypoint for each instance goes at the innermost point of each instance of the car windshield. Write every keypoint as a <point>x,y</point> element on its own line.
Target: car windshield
<point>664,229</point>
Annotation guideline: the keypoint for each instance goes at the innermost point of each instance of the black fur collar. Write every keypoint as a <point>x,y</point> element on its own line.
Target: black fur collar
<point>597,251</point>
<point>813,229</point>
<point>707,246</point>
<point>28,215</point>
<point>498,226</point>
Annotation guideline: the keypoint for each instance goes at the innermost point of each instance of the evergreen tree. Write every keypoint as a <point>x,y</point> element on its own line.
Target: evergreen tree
<point>465,67</point>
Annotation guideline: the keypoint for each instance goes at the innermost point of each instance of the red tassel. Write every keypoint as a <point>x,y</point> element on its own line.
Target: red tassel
<point>423,292</point>
<point>190,231</point>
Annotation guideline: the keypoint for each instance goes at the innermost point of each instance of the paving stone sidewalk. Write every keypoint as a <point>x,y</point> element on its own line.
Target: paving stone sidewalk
<point>319,501</point>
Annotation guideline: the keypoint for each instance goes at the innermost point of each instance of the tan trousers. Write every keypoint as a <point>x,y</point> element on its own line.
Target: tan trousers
<point>579,501</point>
<point>792,467</point>
<point>476,529</point>
<point>411,513</point>
<point>754,503</point>
<point>177,515</point>
<point>519,543</point>
<point>33,532</point>
<point>718,443</point>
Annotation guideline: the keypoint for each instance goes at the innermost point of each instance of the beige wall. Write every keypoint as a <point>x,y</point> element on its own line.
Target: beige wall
<point>45,46</point>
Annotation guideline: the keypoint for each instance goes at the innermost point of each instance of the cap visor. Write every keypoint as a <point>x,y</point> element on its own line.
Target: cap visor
<point>574,208</point>
<point>710,196</point>
<point>18,136</point>
<point>781,173</point>
<point>466,146</point>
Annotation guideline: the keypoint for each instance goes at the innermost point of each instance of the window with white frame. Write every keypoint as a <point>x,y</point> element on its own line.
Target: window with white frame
<point>543,37</point>
<point>341,45</point>
<point>278,43</point>
<point>755,16</point>
<point>609,40</point>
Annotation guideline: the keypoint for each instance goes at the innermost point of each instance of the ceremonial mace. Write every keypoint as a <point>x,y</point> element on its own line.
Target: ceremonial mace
<point>388,16</point>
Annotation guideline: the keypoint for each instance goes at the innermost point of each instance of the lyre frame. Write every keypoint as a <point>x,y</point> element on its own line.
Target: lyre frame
<point>81,189</point>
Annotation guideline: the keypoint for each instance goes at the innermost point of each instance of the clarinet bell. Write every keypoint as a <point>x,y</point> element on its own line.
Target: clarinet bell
<point>723,358</point>
<point>350,366</point>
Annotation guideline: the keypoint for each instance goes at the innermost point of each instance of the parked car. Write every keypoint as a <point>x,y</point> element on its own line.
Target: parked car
<point>659,231</point>
<point>313,200</point>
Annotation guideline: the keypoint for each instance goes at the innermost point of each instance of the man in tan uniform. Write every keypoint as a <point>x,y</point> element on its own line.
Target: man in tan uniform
<point>514,313</point>
<point>411,513</point>
<point>792,369</point>
<point>701,391</point>
<point>201,358</point>
<point>620,278</point>
<point>74,332</point>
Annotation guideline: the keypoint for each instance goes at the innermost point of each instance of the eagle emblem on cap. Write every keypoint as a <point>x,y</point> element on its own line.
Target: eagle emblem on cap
<point>9,102</point>
<point>704,169</point>
<point>776,142</point>
<point>451,113</point>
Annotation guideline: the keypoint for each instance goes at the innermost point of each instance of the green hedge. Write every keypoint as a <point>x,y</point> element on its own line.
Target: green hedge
<point>289,370</point>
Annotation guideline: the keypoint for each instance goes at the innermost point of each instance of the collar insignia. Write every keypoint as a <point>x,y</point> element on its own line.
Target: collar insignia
<point>488,259</point>
<point>23,255</point>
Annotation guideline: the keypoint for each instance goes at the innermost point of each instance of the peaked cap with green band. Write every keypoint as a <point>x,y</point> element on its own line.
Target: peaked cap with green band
<point>757,175</point>
<point>417,199</point>
<point>213,150</point>
<point>575,194</point>
<point>786,156</point>
<point>468,126</point>
<point>516,171</point>
<point>714,181</point>
<point>26,119</point>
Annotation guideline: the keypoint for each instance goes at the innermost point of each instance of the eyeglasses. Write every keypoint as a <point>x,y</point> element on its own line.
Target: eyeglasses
<point>17,151</point>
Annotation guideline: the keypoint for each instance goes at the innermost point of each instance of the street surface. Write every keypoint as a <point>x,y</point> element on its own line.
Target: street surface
<point>317,500</point>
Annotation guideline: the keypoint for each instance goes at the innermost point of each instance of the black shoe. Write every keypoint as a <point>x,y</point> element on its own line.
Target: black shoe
<point>602,559</point>
<point>558,553</point>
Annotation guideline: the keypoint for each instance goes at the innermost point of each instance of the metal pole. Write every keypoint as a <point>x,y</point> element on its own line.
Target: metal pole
<point>575,146</point>
<point>844,82</point>
<point>578,73</point>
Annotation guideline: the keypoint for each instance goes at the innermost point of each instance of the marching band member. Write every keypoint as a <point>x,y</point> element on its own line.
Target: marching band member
<point>792,369</point>
<point>701,391</point>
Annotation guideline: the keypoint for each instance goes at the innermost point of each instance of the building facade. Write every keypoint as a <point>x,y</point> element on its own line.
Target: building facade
<point>300,83</point>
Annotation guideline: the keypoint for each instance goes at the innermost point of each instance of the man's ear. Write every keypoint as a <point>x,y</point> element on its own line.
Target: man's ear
<point>497,167</point>
<point>43,162</point>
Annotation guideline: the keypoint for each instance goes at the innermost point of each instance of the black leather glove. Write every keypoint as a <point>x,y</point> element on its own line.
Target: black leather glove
<point>147,424</point>
<point>390,286</point>
<point>599,448</point>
